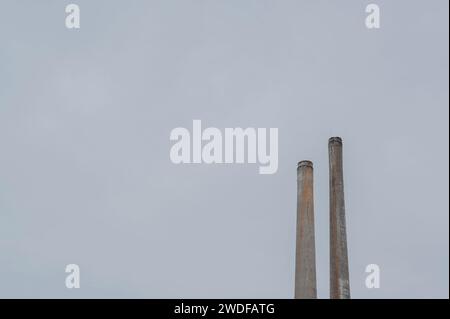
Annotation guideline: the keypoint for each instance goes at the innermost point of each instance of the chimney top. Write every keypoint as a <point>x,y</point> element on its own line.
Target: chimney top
<point>335,139</point>
<point>305,163</point>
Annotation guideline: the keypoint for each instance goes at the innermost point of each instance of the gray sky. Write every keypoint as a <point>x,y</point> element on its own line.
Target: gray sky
<point>85,117</point>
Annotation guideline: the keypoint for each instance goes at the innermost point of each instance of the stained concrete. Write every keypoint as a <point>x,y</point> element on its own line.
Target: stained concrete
<point>339,273</point>
<point>305,263</point>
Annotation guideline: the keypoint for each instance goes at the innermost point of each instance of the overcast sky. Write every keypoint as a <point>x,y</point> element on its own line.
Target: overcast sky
<point>85,118</point>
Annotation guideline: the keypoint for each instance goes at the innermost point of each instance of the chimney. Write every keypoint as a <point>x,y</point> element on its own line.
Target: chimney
<point>305,259</point>
<point>339,277</point>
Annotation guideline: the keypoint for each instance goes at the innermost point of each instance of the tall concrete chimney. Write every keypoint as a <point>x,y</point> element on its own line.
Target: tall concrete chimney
<point>305,258</point>
<point>339,277</point>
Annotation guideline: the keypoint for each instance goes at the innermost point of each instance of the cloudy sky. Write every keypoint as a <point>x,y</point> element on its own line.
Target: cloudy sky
<point>85,118</point>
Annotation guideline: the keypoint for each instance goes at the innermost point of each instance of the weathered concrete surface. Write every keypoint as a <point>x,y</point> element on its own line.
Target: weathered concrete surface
<point>305,259</point>
<point>339,275</point>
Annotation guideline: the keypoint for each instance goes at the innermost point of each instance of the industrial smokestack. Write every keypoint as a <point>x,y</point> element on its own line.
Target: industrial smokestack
<point>305,259</point>
<point>339,277</point>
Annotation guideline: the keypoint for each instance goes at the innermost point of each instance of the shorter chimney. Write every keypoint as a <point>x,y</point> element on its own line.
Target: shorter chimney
<point>305,259</point>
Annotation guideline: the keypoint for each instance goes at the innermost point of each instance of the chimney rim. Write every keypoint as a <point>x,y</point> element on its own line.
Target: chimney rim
<point>306,163</point>
<point>335,139</point>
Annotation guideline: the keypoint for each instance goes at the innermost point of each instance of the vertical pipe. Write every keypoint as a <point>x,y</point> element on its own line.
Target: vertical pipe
<point>339,276</point>
<point>305,259</point>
